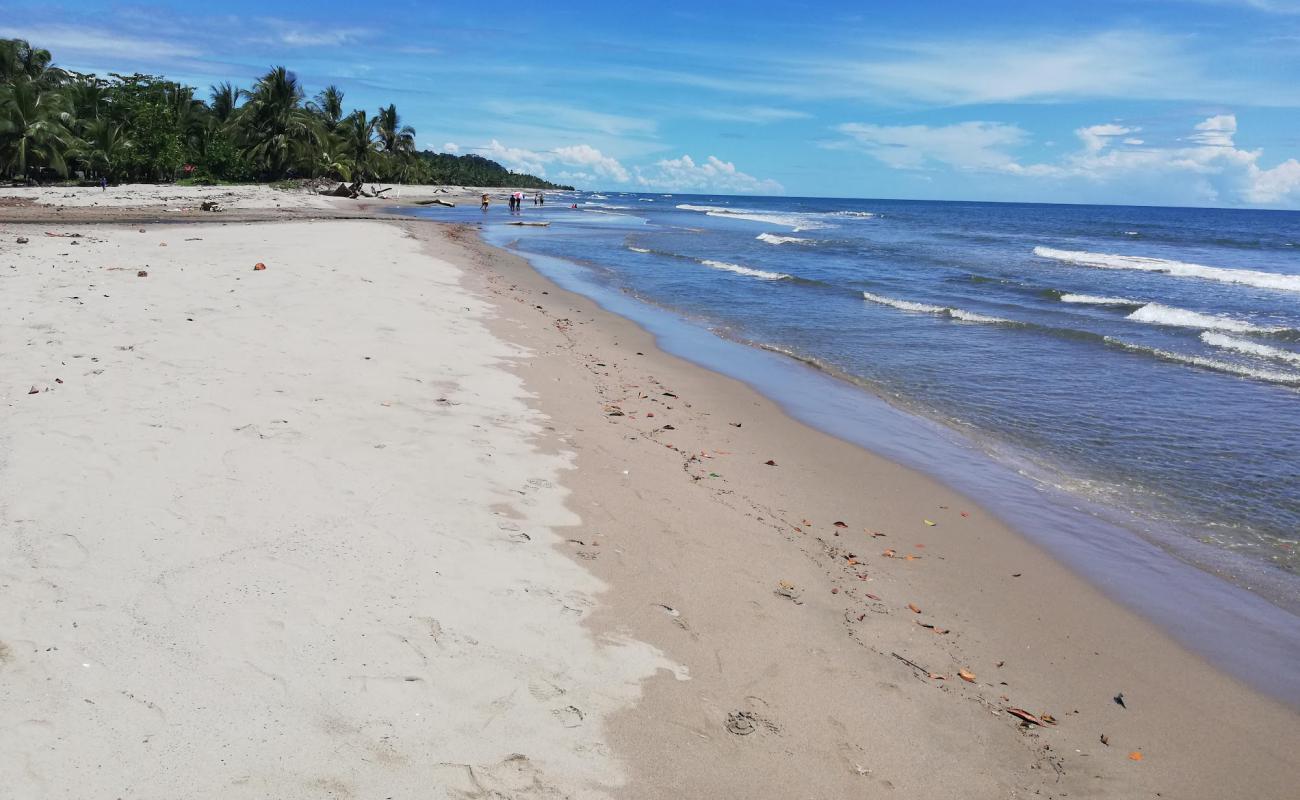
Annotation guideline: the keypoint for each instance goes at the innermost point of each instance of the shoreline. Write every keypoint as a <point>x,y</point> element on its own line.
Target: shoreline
<point>1230,624</point>
<point>744,580</point>
<point>610,346</point>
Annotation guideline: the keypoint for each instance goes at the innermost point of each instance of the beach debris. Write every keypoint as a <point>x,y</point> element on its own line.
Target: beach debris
<point>1025,716</point>
<point>669,394</point>
<point>928,522</point>
<point>931,626</point>
<point>770,463</point>
<point>741,723</point>
<point>913,608</point>
<point>1136,755</point>
<point>966,675</point>
<point>734,424</point>
<point>258,267</point>
<point>1048,718</point>
<point>934,676</point>
<point>63,235</point>
<point>788,589</point>
<point>1119,701</point>
<point>889,553</point>
<point>160,244</point>
<point>210,205</point>
<point>33,390</point>
<point>58,380</point>
<point>142,273</point>
<point>839,524</point>
<point>22,240</point>
<point>1105,740</point>
<point>965,513</point>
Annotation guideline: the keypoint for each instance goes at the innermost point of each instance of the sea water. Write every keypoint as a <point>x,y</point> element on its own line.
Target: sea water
<point>1141,363</point>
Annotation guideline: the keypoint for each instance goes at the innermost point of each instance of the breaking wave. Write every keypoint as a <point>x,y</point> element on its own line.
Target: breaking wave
<point>739,270</point>
<point>1157,314</point>
<point>1246,277</point>
<point>947,311</point>
<point>797,221</point>
<point>1271,376</point>
<point>771,238</point>
<point>1250,348</point>
<point>1094,300</point>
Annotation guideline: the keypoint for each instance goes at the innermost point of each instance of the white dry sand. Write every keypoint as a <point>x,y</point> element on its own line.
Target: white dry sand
<point>166,197</point>
<point>283,533</point>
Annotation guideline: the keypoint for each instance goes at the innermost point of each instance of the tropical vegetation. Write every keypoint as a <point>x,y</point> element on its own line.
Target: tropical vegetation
<point>58,124</point>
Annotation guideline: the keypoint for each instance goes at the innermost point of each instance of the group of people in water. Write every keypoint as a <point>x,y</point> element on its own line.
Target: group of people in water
<point>516,201</point>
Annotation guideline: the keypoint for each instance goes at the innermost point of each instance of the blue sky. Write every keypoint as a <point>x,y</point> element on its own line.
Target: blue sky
<point>1183,102</point>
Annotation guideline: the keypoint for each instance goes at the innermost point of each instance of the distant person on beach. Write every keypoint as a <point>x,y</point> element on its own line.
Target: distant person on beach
<point>486,200</point>
<point>541,199</point>
<point>103,183</point>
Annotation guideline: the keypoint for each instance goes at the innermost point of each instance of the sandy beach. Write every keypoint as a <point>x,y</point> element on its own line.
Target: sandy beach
<point>397,517</point>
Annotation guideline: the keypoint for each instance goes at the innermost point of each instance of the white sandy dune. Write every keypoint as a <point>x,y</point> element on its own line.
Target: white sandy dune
<point>282,533</point>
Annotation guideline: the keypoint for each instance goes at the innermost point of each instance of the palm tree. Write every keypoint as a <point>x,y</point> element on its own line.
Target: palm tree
<point>357,144</point>
<point>328,105</point>
<point>225,101</point>
<point>20,61</point>
<point>394,137</point>
<point>278,133</point>
<point>35,128</point>
<point>104,147</point>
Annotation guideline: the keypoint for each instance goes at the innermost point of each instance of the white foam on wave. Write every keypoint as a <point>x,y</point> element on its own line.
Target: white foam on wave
<point>1271,376</point>
<point>1246,277</point>
<point>924,308</point>
<point>637,249</point>
<point>857,214</point>
<point>739,270</point>
<point>1250,348</point>
<point>772,238</point>
<point>1157,314</point>
<point>799,222</point>
<point>1094,300</point>
<point>606,205</point>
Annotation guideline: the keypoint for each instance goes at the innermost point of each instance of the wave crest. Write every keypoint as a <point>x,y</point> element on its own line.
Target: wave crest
<point>1250,348</point>
<point>752,273</point>
<point>1245,277</point>
<point>772,238</point>
<point>947,311</point>
<point>1157,314</point>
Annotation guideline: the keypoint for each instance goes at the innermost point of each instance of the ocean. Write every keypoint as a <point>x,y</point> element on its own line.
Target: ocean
<point>1132,366</point>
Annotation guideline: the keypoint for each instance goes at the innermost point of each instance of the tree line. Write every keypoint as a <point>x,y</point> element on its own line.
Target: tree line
<point>59,124</point>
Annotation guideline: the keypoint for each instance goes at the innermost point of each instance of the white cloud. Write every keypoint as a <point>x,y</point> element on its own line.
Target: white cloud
<point>584,155</point>
<point>451,147</point>
<point>1205,167</point>
<point>714,175</point>
<point>592,164</point>
<point>1096,137</point>
<point>88,42</point>
<point>1217,131</point>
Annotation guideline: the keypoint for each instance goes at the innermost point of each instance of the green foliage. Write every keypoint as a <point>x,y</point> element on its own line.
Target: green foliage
<point>146,128</point>
<point>473,170</point>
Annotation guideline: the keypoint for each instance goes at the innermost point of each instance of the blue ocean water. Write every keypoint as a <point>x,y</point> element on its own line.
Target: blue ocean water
<point>1146,360</point>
